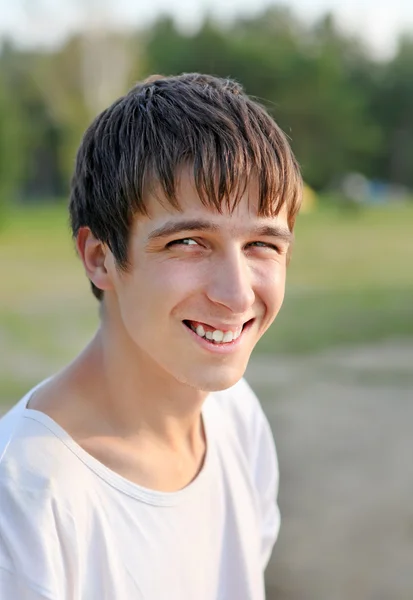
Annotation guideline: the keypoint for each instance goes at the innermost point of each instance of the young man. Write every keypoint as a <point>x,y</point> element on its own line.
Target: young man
<point>146,469</point>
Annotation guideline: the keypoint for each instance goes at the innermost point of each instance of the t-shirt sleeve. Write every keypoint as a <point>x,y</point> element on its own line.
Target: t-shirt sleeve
<point>264,463</point>
<point>13,587</point>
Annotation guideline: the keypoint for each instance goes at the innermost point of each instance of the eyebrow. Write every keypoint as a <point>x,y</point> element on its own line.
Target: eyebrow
<point>175,227</point>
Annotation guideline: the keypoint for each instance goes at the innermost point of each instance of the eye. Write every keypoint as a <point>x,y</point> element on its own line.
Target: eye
<point>183,242</point>
<point>265,245</point>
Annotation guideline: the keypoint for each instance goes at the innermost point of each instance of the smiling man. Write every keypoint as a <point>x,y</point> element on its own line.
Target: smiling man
<point>146,468</point>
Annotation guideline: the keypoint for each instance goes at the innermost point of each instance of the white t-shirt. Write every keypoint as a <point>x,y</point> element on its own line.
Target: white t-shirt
<point>72,529</point>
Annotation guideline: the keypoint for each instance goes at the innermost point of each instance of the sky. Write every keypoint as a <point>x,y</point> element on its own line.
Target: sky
<point>48,22</point>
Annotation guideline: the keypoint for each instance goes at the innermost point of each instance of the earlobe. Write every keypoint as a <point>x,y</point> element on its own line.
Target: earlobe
<point>93,254</point>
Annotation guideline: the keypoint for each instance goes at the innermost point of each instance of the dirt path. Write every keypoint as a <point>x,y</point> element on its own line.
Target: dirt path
<point>343,423</point>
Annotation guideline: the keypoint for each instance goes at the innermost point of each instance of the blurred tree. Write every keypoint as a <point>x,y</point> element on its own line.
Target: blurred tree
<point>303,75</point>
<point>28,134</point>
<point>12,134</point>
<point>81,78</point>
<point>393,108</point>
<point>79,81</point>
<point>343,110</point>
<point>327,111</point>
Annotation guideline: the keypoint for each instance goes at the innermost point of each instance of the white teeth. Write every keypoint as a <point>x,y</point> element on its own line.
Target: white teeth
<point>200,331</point>
<point>237,333</point>
<point>228,337</point>
<point>218,335</point>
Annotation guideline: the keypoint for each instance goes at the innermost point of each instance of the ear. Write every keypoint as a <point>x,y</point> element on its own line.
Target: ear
<point>95,256</point>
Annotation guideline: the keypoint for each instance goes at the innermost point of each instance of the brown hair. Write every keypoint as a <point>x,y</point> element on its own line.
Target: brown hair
<point>162,124</point>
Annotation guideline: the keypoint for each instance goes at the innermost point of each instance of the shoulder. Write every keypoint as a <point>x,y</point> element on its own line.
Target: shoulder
<point>38,464</point>
<point>38,470</point>
<point>242,406</point>
<point>9,422</point>
<point>32,460</point>
<point>27,521</point>
<point>12,420</point>
<point>239,409</point>
<point>239,401</point>
<point>244,417</point>
<point>40,482</point>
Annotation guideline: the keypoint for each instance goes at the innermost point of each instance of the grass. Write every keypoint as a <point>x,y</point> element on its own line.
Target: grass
<point>349,282</point>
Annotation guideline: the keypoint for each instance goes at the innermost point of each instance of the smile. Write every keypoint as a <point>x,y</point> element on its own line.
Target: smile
<point>216,336</point>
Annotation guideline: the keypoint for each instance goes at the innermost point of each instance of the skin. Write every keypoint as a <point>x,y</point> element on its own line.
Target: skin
<point>133,398</point>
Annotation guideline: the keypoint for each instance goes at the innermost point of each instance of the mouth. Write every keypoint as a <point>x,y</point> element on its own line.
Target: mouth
<point>218,337</point>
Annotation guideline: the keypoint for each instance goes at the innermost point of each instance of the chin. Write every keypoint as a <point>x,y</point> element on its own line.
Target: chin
<point>217,379</point>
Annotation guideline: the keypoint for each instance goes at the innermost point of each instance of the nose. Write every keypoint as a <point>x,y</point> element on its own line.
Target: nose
<point>231,283</point>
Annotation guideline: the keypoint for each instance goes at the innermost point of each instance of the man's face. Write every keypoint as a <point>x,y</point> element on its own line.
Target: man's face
<point>202,287</point>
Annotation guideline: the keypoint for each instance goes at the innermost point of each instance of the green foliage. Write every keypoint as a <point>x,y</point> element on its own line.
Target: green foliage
<point>12,139</point>
<point>393,108</point>
<point>29,137</point>
<point>343,110</point>
<point>309,78</point>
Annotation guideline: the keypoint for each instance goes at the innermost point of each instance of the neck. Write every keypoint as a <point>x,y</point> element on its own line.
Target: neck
<point>134,395</point>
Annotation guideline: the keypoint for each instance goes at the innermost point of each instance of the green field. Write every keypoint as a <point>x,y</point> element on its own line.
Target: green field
<point>350,282</point>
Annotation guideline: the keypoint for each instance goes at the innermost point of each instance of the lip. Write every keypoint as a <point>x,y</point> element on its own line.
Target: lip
<point>221,326</point>
<point>226,348</point>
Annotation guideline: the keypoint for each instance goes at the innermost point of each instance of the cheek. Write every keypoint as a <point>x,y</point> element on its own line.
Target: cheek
<point>270,287</point>
<point>177,281</point>
<point>154,292</point>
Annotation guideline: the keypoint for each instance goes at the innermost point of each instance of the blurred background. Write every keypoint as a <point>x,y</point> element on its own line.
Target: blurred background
<point>335,371</point>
